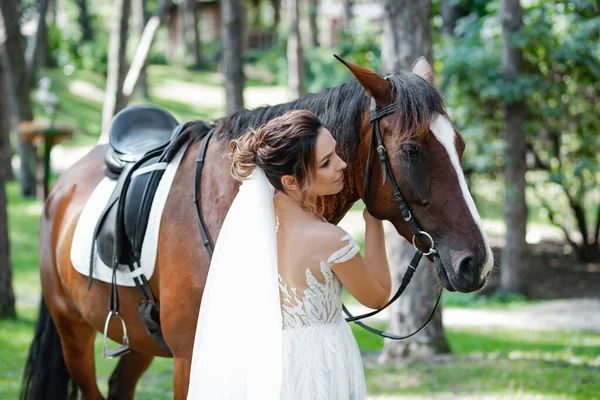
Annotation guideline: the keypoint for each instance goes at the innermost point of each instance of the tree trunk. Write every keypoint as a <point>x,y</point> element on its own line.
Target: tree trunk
<point>295,54</point>
<point>314,27</point>
<point>514,254</point>
<point>52,8</point>
<point>191,33</point>
<point>84,21</point>
<point>39,47</point>
<point>5,104</point>
<point>20,91</point>
<point>255,23</point>
<point>139,61</point>
<point>141,17</point>
<point>114,101</point>
<point>174,34</point>
<point>589,250</point>
<point>44,56</point>
<point>276,14</point>
<point>414,307</point>
<point>7,297</point>
<point>407,36</point>
<point>596,237</point>
<point>347,16</point>
<point>406,33</point>
<point>451,11</point>
<point>231,33</point>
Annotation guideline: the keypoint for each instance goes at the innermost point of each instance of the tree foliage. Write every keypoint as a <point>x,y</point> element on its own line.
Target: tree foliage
<point>561,87</point>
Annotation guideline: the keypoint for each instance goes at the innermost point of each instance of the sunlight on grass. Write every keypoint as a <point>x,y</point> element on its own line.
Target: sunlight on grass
<point>15,336</point>
<point>501,362</point>
<point>189,95</point>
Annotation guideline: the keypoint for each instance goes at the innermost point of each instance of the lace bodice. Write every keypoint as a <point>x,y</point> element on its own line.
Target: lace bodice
<point>320,302</point>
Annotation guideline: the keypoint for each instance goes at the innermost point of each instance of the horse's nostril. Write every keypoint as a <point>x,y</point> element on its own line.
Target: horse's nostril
<point>469,267</point>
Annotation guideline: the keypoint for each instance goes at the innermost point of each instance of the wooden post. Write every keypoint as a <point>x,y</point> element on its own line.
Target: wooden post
<point>48,135</point>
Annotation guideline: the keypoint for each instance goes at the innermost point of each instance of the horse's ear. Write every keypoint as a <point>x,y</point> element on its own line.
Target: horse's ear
<point>422,68</point>
<point>377,87</point>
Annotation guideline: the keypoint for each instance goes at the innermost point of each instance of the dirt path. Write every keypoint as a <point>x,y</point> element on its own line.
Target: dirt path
<point>458,397</point>
<point>552,315</point>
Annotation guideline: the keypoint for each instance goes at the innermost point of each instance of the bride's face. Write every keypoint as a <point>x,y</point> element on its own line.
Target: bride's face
<point>329,167</point>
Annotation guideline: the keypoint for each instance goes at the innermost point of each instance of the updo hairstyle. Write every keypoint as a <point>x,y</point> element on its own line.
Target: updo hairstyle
<point>285,145</point>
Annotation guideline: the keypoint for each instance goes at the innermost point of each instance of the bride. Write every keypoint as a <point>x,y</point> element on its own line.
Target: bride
<point>270,324</point>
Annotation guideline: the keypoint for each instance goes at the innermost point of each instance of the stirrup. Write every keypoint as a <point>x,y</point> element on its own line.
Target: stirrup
<point>121,350</point>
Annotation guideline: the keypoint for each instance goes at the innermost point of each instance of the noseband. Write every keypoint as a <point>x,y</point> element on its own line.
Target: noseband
<point>376,140</point>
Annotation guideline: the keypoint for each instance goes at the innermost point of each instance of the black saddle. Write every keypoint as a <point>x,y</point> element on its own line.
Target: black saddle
<point>143,139</point>
<point>121,228</point>
<point>135,131</point>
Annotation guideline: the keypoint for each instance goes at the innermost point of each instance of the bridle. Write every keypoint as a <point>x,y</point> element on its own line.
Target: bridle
<point>374,117</point>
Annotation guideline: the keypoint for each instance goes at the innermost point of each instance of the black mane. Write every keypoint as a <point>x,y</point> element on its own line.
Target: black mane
<point>340,109</point>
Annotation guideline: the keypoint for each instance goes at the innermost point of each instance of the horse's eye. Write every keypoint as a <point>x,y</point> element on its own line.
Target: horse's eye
<point>411,150</point>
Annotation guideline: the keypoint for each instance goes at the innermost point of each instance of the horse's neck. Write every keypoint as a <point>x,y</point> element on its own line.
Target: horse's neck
<point>336,206</point>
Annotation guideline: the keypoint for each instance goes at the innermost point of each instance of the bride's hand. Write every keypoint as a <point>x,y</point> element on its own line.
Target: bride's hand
<point>368,217</point>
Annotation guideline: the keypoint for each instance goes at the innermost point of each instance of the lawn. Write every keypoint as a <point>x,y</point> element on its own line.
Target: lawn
<point>503,363</point>
<point>500,363</point>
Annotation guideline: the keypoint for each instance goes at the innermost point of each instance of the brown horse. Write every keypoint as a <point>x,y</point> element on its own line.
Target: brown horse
<point>424,151</point>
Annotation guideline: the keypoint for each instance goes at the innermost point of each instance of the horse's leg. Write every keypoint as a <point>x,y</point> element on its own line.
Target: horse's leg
<point>77,338</point>
<point>76,334</point>
<point>130,368</point>
<point>181,378</point>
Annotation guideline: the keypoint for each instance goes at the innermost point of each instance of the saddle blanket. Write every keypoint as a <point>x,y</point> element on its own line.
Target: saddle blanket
<point>84,231</point>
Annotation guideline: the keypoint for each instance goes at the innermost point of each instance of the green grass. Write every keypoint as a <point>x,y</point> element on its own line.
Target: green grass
<point>504,363</point>
<point>81,97</point>
<point>15,336</point>
<point>23,219</point>
<point>484,362</point>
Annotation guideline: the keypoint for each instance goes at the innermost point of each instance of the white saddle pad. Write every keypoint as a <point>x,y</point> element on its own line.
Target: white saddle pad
<point>84,231</point>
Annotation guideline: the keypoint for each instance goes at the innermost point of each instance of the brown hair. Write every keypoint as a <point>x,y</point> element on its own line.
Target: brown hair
<point>283,146</point>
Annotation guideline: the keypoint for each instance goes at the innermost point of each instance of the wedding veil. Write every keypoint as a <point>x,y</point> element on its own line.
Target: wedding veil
<point>237,347</point>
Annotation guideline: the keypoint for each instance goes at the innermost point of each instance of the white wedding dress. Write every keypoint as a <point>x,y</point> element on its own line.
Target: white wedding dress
<point>321,359</point>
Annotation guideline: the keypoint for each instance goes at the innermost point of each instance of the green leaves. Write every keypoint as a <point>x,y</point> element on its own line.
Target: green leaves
<point>561,88</point>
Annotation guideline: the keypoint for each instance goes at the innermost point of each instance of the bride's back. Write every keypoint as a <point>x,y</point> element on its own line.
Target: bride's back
<point>304,244</point>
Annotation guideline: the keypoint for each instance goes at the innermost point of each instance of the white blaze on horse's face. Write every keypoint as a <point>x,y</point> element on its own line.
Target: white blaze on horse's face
<point>444,133</point>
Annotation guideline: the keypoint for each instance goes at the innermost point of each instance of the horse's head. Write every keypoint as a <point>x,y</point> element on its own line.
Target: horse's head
<point>424,151</point>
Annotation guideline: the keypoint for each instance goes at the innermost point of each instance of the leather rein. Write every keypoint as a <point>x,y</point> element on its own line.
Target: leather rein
<point>376,140</point>
<point>375,117</point>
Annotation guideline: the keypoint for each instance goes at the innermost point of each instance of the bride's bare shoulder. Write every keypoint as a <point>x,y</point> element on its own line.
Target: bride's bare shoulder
<point>324,238</point>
